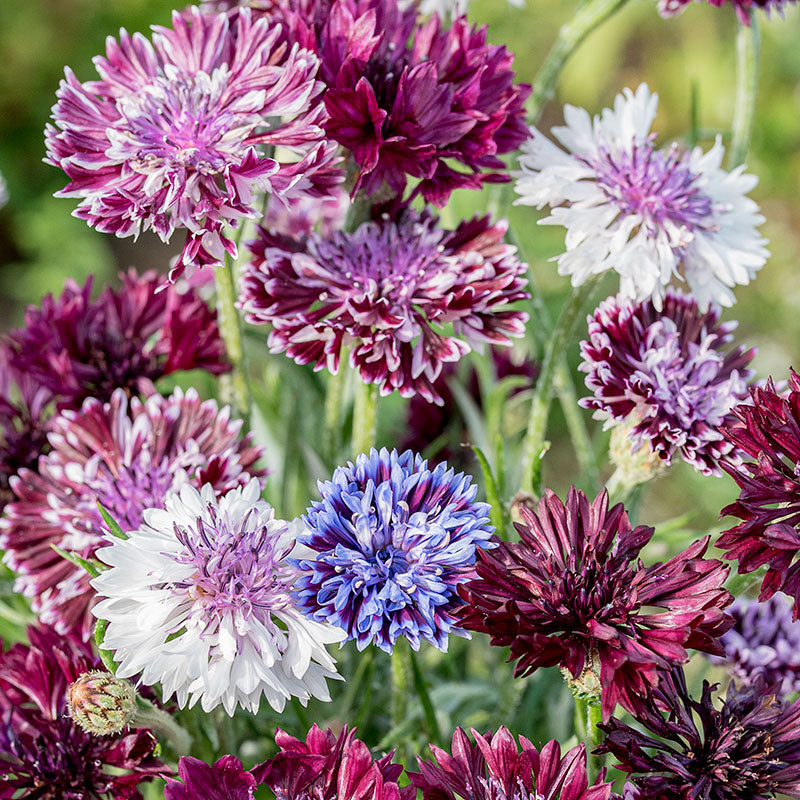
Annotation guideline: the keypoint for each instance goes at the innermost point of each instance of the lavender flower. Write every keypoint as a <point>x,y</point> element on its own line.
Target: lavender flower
<point>668,375</point>
<point>393,540</point>
<point>671,8</point>
<point>650,215</point>
<point>388,289</point>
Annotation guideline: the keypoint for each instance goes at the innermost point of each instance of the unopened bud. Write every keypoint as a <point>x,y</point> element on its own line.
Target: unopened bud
<point>587,686</point>
<point>101,704</point>
<point>634,466</point>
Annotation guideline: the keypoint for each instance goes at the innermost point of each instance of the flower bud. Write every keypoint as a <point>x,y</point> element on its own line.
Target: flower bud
<point>633,466</point>
<point>101,704</point>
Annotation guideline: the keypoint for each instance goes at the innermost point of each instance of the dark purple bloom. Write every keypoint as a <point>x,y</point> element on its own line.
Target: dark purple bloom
<point>390,290</point>
<point>671,8</point>
<point>393,540</point>
<point>763,644</point>
<point>668,374</point>
<point>330,767</point>
<point>767,429</point>
<point>127,338</point>
<point>127,455</point>
<point>494,768</point>
<point>748,748</point>
<point>172,135</point>
<point>226,779</point>
<point>43,753</point>
<point>574,592</point>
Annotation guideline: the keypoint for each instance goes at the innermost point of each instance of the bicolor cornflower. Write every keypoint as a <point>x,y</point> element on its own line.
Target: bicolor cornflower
<point>127,338</point>
<point>495,768</point>
<point>745,748</point>
<point>406,297</point>
<point>392,539</point>
<point>44,755</point>
<point>198,599</point>
<point>173,135</point>
<point>767,430</point>
<point>127,455</point>
<point>763,644</point>
<point>651,215</point>
<point>573,592</point>
<point>743,8</point>
<point>668,374</point>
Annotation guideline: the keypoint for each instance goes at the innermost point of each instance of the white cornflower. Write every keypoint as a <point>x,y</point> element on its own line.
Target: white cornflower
<point>199,600</point>
<point>651,215</point>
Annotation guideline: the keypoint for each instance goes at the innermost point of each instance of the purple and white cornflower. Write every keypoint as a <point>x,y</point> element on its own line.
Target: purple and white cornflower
<point>173,134</point>
<point>651,215</point>
<point>126,455</point>
<point>743,8</point>
<point>390,291</point>
<point>393,539</point>
<point>198,599</point>
<point>668,375</point>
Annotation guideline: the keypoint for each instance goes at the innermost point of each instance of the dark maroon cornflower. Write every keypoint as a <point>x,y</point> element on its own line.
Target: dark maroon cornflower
<point>330,767</point>
<point>671,8</point>
<point>226,779</point>
<point>668,374</point>
<point>574,592</point>
<point>767,429</point>
<point>126,455</point>
<point>44,755</point>
<point>493,768</point>
<point>388,290</point>
<point>749,748</point>
<point>76,347</point>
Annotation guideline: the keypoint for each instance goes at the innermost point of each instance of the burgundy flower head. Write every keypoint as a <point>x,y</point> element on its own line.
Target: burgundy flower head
<point>126,455</point>
<point>226,779</point>
<point>768,431</point>
<point>574,592</point>
<point>43,753</point>
<point>127,338</point>
<point>330,767</point>
<point>669,373</point>
<point>743,8</point>
<point>748,748</point>
<point>494,768</point>
<point>387,290</point>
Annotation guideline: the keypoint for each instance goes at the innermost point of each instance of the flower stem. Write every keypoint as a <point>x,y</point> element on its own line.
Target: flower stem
<point>586,18</point>
<point>588,716</point>
<point>230,326</point>
<point>554,353</point>
<point>365,417</point>
<point>401,680</point>
<point>162,724</point>
<point>334,396</point>
<point>748,45</point>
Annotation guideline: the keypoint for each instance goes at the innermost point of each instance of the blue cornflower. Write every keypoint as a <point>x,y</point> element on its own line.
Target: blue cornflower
<point>393,540</point>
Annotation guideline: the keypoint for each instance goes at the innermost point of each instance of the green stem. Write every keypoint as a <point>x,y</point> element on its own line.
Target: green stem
<point>588,716</point>
<point>365,416</point>
<point>554,352</point>
<point>587,17</point>
<point>401,682</point>
<point>425,699</point>
<point>230,327</point>
<point>162,724</point>
<point>748,44</point>
<point>355,686</point>
<point>334,396</point>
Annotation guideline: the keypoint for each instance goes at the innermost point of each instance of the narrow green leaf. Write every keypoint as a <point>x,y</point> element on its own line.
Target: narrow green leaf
<point>91,565</point>
<point>105,655</point>
<point>111,523</point>
<point>496,516</point>
<point>425,699</point>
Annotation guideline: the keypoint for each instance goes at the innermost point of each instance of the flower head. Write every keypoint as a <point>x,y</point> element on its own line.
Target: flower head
<point>494,768</point>
<point>743,8</point>
<point>747,748</point>
<point>126,455</point>
<point>767,429</point>
<point>389,290</point>
<point>393,539</point>
<point>574,592</point>
<point>100,703</point>
<point>330,767</point>
<point>127,338</point>
<point>171,135</point>
<point>198,599</point>
<point>764,644</point>
<point>44,755</point>
<point>226,779</point>
<point>651,215</point>
<point>669,374</point>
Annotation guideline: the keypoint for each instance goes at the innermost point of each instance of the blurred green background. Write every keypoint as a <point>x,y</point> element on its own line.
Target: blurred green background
<point>41,244</point>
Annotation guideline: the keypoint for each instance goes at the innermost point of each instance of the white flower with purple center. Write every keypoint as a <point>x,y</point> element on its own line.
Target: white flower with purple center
<point>198,599</point>
<point>393,540</point>
<point>652,215</point>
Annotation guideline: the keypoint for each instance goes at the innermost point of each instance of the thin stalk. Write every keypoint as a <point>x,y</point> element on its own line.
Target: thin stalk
<point>588,16</point>
<point>401,680</point>
<point>748,45</point>
<point>334,396</point>
<point>162,724</point>
<point>554,352</point>
<point>365,417</point>
<point>429,711</point>
<point>588,716</point>
<point>355,686</point>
